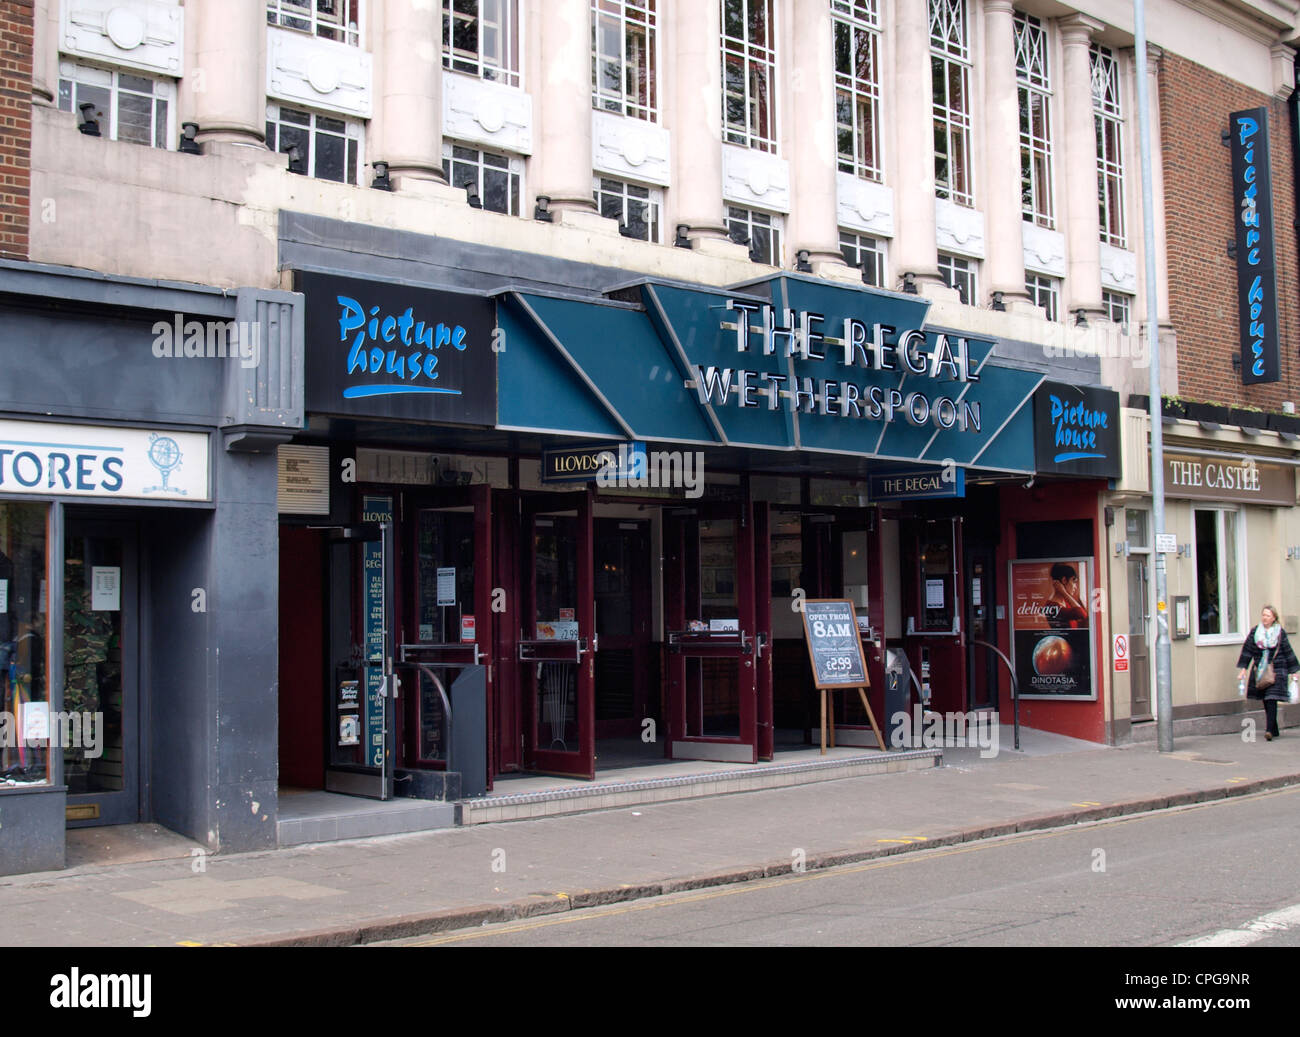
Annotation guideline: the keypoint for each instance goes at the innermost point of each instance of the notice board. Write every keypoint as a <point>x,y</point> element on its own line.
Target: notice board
<point>834,645</point>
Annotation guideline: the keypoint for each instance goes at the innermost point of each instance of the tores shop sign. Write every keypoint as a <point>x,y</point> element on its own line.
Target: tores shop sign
<point>391,351</point>
<point>1245,480</point>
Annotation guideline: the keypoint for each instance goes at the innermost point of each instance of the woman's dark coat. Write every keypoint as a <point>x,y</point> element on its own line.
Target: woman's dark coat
<point>1284,662</point>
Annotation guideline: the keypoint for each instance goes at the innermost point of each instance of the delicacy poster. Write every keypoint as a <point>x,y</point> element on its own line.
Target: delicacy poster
<point>1052,628</point>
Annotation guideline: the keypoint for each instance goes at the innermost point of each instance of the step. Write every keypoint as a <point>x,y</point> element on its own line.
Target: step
<point>575,798</point>
<point>1218,724</point>
<point>324,817</point>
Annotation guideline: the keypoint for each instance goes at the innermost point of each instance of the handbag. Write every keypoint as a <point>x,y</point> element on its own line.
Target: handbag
<point>1264,678</point>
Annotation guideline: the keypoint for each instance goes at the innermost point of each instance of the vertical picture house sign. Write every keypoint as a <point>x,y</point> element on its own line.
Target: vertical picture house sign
<point>1252,190</point>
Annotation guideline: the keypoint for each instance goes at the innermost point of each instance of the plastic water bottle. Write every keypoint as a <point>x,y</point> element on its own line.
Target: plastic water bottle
<point>1241,687</point>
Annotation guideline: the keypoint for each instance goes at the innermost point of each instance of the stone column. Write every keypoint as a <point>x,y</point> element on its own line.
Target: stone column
<point>697,128</point>
<point>408,59</point>
<point>45,52</point>
<point>225,85</point>
<point>1078,164</point>
<point>814,216</point>
<point>1002,207</point>
<point>563,111</point>
<point>914,250</point>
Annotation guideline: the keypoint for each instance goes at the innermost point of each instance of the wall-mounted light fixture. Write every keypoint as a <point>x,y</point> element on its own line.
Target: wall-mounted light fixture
<point>383,180</point>
<point>909,284</point>
<point>297,164</point>
<point>89,125</point>
<point>189,144</point>
<point>471,194</point>
<point>1080,318</point>
<point>542,210</point>
<point>998,304</point>
<point>803,262</point>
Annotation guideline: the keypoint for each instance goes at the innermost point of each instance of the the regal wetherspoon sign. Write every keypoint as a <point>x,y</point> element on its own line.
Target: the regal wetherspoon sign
<point>1252,188</point>
<point>862,347</point>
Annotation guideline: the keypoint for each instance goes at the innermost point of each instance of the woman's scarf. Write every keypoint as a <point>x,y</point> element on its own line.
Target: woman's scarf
<point>1266,637</point>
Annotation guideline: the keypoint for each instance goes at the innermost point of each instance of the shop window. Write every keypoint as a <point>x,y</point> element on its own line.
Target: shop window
<point>1218,573</point>
<point>857,86</point>
<point>1034,85</point>
<point>493,181</point>
<point>24,690</point>
<point>865,253</point>
<point>481,39</point>
<point>636,208</point>
<point>1118,307</point>
<point>1045,293</point>
<point>961,274</point>
<point>1108,118</point>
<point>127,107</point>
<point>623,56</point>
<point>329,148</point>
<point>337,20</point>
<point>749,73</point>
<point>761,231</point>
<point>950,68</point>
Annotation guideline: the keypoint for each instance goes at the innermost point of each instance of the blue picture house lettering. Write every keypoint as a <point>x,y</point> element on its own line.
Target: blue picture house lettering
<point>1252,185</point>
<point>383,350</point>
<point>1076,431</point>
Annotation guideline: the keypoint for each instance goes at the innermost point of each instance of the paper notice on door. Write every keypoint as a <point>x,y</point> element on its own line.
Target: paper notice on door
<point>446,587</point>
<point>4,595</point>
<point>105,588</point>
<point>934,594</point>
<point>36,721</point>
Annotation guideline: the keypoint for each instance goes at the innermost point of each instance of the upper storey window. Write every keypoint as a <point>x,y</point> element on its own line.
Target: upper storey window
<point>749,73</point>
<point>1034,85</point>
<point>481,38</point>
<point>1108,115</point>
<point>857,86</point>
<point>623,71</point>
<point>950,67</point>
<point>126,107</point>
<point>329,19</point>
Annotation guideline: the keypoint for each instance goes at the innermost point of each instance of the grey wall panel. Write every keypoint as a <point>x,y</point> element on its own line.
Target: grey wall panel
<point>32,830</point>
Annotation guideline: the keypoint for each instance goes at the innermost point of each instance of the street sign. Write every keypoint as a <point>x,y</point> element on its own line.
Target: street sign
<point>1121,653</point>
<point>1167,543</point>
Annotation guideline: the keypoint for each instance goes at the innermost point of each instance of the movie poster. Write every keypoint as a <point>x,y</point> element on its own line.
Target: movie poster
<point>1052,628</point>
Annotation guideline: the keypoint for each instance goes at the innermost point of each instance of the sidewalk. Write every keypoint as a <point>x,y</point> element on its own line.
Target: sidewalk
<point>395,886</point>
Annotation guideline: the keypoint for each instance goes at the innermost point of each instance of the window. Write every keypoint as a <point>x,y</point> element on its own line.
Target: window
<point>496,180</point>
<point>857,86</point>
<point>127,107</point>
<point>1118,307</point>
<point>329,19</point>
<point>960,274</point>
<point>1218,568</point>
<point>1045,293</point>
<point>24,691</point>
<point>623,57</point>
<point>329,147</point>
<point>950,70</point>
<point>867,254</point>
<point>1109,119</point>
<point>761,231</point>
<point>480,38</point>
<point>1034,83</point>
<point>635,207</point>
<point>749,74</point>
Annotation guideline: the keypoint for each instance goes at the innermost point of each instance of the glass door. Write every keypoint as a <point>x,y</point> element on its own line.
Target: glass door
<point>557,644</point>
<point>712,632</point>
<point>101,732</point>
<point>623,664</point>
<point>933,609</point>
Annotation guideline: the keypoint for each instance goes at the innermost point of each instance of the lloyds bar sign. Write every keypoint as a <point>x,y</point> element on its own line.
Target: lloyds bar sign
<point>1252,189</point>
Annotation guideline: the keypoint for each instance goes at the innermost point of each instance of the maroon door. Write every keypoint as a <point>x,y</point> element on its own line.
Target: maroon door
<point>712,628</point>
<point>764,645</point>
<point>934,634</point>
<point>623,664</point>
<point>557,642</point>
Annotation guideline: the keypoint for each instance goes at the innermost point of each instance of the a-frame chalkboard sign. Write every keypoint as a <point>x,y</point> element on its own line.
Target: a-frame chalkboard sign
<point>835,651</point>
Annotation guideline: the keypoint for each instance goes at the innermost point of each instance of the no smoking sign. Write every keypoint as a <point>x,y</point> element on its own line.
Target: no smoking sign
<point>1121,653</point>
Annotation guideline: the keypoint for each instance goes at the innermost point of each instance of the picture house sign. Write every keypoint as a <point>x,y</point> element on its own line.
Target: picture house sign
<point>1237,479</point>
<point>1252,191</point>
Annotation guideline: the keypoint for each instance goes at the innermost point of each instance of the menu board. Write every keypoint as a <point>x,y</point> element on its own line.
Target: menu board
<point>834,644</point>
<point>375,509</point>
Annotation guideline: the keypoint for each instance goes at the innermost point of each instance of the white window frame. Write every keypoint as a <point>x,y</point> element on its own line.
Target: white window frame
<point>1108,119</point>
<point>855,245</point>
<point>950,48</point>
<point>1111,301</point>
<point>514,167</point>
<point>1227,637</point>
<point>1044,287</point>
<point>752,56</point>
<point>319,23</point>
<point>858,87</point>
<point>353,131</point>
<point>1034,96</point>
<point>110,80</point>
<point>507,68</point>
<point>951,266</point>
<point>746,221</point>
<point>646,17</point>
<point>654,200</point>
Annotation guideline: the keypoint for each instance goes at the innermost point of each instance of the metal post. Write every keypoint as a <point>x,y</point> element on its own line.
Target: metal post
<point>1164,693</point>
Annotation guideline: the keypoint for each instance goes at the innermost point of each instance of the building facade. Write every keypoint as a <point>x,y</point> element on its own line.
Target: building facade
<point>876,265</point>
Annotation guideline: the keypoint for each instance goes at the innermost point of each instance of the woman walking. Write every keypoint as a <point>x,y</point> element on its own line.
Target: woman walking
<point>1266,651</point>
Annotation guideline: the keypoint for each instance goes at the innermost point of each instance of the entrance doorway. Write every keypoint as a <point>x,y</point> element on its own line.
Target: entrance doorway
<point>1139,613</point>
<point>101,664</point>
<point>624,663</point>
